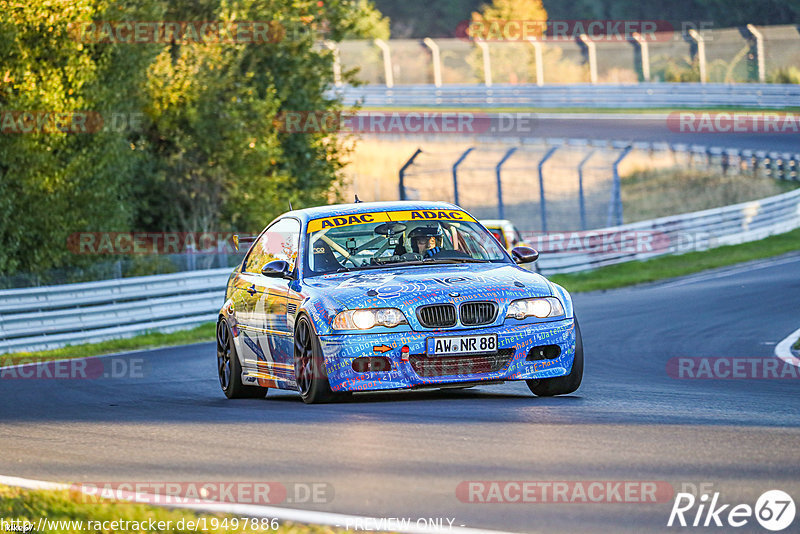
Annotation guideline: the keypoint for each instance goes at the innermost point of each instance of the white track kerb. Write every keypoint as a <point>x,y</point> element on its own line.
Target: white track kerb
<point>783,350</point>
<point>250,510</point>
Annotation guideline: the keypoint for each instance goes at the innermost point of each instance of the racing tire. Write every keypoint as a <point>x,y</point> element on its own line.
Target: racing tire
<point>561,385</point>
<point>309,365</point>
<point>229,369</point>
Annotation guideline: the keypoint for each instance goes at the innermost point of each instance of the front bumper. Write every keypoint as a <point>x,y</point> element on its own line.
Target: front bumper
<point>341,349</point>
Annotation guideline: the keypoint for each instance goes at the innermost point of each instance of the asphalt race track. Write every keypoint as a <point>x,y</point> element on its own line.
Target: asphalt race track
<point>640,127</point>
<point>404,454</point>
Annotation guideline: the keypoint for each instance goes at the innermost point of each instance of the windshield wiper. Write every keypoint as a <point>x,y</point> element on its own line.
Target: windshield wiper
<point>453,260</point>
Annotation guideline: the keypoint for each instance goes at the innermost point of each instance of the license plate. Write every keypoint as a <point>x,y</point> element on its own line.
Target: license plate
<point>478,344</point>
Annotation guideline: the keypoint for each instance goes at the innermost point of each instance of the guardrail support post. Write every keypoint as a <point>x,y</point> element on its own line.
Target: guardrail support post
<point>402,173</point>
<point>487,63</point>
<point>387,62</point>
<point>643,51</point>
<point>590,51</point>
<point>537,55</point>
<point>337,65</point>
<point>461,158</point>
<point>500,210</point>
<point>542,202</point>
<point>699,44</point>
<point>581,200</point>
<point>758,53</point>
<point>615,208</point>
<point>437,61</point>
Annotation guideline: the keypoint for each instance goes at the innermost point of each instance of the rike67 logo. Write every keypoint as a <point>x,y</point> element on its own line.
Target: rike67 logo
<point>774,510</point>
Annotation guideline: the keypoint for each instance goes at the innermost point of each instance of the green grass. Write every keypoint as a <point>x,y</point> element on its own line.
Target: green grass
<point>796,345</point>
<point>638,272</point>
<point>204,332</point>
<point>20,504</point>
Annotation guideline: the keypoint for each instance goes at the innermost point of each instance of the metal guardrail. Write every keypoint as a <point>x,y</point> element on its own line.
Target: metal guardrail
<point>701,230</point>
<point>642,95</point>
<point>49,317</point>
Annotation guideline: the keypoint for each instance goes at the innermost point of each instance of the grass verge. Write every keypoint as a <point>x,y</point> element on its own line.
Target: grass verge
<point>70,512</point>
<point>204,332</point>
<point>638,272</point>
<point>796,345</point>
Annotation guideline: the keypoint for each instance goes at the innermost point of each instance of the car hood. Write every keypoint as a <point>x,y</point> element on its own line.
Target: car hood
<point>407,288</point>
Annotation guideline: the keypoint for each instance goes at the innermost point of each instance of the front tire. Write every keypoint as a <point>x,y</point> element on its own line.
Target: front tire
<point>229,369</point>
<point>562,385</point>
<point>309,365</point>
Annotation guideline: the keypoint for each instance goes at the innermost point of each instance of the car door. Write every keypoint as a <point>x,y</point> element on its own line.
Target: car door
<point>267,346</point>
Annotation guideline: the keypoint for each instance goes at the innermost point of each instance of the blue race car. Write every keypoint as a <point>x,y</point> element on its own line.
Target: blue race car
<point>391,295</point>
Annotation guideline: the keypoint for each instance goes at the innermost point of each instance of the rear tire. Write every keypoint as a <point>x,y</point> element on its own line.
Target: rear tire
<point>561,385</point>
<point>309,365</point>
<point>229,369</point>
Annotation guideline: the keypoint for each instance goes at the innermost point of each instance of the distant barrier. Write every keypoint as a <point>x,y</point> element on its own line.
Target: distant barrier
<point>50,317</point>
<point>579,95</point>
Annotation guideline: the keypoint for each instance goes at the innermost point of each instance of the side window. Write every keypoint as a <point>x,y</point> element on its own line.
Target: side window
<point>279,242</point>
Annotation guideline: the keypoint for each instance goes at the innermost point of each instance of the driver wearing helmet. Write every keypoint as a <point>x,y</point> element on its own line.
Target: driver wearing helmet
<point>426,240</point>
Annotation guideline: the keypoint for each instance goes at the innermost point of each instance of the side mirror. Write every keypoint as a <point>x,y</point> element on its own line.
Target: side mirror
<point>277,269</point>
<point>524,254</point>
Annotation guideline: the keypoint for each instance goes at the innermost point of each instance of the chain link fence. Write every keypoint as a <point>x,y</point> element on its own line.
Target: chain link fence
<point>711,55</point>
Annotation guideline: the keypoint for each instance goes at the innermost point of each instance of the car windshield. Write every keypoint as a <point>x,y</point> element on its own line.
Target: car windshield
<point>373,240</point>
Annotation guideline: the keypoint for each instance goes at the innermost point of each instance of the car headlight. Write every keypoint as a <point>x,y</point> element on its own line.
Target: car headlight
<point>368,318</point>
<point>538,307</point>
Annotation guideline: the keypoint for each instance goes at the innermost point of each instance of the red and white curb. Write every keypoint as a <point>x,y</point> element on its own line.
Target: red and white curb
<point>783,349</point>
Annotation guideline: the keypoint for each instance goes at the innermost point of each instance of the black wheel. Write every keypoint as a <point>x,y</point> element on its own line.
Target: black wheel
<point>229,369</point>
<point>561,385</point>
<point>309,365</point>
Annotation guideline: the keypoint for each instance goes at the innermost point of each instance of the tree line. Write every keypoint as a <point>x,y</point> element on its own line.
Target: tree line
<point>103,129</point>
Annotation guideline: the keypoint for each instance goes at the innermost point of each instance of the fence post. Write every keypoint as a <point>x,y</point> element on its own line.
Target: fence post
<point>581,201</point>
<point>643,50</point>
<point>387,62</point>
<point>542,202</point>
<point>455,173</point>
<point>337,65</point>
<point>700,45</point>
<point>437,61</point>
<point>500,210</point>
<point>590,51</point>
<point>402,173</point>
<point>537,53</point>
<point>759,51</point>
<point>487,63</point>
<point>615,209</point>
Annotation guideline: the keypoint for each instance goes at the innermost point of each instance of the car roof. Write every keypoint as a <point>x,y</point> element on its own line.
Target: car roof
<point>367,207</point>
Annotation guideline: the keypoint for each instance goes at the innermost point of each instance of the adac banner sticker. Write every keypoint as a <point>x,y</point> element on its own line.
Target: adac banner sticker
<point>384,216</point>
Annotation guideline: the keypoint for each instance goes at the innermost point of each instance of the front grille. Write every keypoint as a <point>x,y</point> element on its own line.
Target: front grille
<point>437,315</point>
<point>478,313</point>
<point>462,364</point>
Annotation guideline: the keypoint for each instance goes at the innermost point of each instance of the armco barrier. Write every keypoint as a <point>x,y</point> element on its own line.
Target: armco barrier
<point>729,225</point>
<point>49,317</point>
<point>641,95</point>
